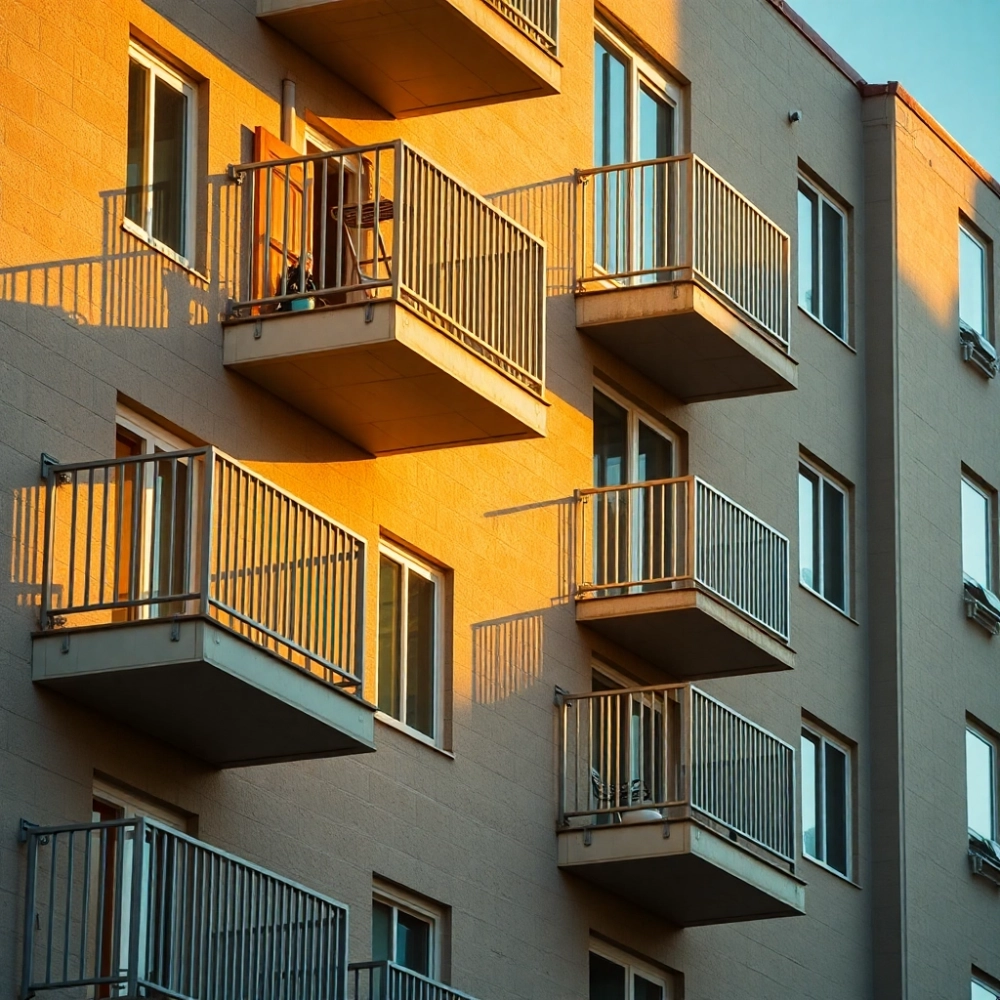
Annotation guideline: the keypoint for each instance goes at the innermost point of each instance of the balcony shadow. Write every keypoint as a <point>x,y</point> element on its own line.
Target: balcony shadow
<point>507,656</point>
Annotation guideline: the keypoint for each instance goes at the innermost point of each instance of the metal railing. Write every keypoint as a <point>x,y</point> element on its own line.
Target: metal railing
<point>675,751</point>
<point>132,907</point>
<point>363,224</point>
<point>388,981</point>
<point>676,219</point>
<point>682,532</point>
<point>538,19</point>
<point>197,533</point>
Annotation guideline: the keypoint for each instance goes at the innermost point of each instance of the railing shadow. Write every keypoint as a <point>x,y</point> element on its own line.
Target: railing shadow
<point>507,657</point>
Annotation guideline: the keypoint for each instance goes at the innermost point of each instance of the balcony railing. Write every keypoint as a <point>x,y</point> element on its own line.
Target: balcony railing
<point>134,908</point>
<point>383,222</point>
<point>675,751</point>
<point>194,532</point>
<point>675,532</point>
<point>676,219</point>
<point>538,19</point>
<point>388,981</point>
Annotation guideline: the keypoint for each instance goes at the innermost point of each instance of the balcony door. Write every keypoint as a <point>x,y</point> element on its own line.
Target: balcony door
<point>633,526</point>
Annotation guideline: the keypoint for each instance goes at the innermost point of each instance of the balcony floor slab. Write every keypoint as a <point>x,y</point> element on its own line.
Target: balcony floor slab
<point>683,871</point>
<point>200,687</point>
<point>686,339</point>
<point>687,633</point>
<point>382,377</point>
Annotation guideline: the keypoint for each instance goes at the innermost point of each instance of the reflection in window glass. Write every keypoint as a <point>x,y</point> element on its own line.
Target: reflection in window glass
<point>972,295</point>
<point>980,992</point>
<point>980,780</point>
<point>976,534</point>
<point>826,784</point>
<point>833,269</point>
<point>402,937</point>
<point>810,790</point>
<point>808,251</point>
<point>610,107</point>
<point>822,232</point>
<point>823,557</point>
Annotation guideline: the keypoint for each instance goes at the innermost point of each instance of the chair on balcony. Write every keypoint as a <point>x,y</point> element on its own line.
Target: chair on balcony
<point>623,795</point>
<point>351,224</point>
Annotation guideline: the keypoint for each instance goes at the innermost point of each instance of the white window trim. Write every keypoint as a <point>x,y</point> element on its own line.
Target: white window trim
<point>983,985</point>
<point>411,564</point>
<point>824,737</point>
<point>635,417</point>
<point>399,899</point>
<point>984,278</point>
<point>640,70</point>
<point>149,432</point>
<point>989,496</point>
<point>822,199</point>
<point>990,740</point>
<point>634,965</point>
<point>136,805</point>
<point>824,477</point>
<point>159,69</point>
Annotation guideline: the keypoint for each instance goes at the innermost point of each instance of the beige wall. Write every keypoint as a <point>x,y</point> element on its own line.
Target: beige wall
<point>87,314</point>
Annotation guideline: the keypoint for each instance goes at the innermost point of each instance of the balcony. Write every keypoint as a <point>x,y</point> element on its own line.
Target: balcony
<point>678,574</point>
<point>426,56</point>
<point>388,981</point>
<point>422,323</point>
<point>680,805</point>
<point>189,598</point>
<point>684,279</point>
<point>133,908</point>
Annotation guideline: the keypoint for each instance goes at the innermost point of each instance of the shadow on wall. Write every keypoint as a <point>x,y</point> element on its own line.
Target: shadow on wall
<point>26,546</point>
<point>506,657</point>
<point>549,210</point>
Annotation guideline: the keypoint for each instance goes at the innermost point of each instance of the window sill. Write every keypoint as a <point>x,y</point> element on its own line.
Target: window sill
<point>414,734</point>
<point>832,871</point>
<point>828,603</point>
<point>128,226</point>
<point>823,326</point>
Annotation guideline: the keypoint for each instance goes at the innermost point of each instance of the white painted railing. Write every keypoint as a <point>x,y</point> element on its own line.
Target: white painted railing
<point>676,219</point>
<point>678,532</point>
<point>672,752</point>
<point>373,222</point>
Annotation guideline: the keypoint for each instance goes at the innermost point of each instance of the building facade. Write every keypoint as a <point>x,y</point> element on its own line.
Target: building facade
<point>500,501</point>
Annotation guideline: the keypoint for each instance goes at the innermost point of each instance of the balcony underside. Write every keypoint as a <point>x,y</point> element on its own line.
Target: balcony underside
<point>690,876</point>
<point>684,338</point>
<point>204,689</point>
<point>687,633</point>
<point>393,383</point>
<point>420,56</point>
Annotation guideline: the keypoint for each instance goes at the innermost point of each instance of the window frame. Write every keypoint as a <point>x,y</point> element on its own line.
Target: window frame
<point>634,966</point>
<point>966,228</point>
<point>986,990</point>
<point>416,906</point>
<point>636,415</point>
<point>412,563</point>
<point>845,490</point>
<point>974,728</point>
<point>823,737</point>
<point>159,69</point>
<point>642,71</point>
<point>980,487</point>
<point>822,198</point>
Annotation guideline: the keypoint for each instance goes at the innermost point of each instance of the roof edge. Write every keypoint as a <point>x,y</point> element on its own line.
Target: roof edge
<point>817,41</point>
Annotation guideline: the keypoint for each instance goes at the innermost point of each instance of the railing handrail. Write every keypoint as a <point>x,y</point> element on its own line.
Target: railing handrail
<point>513,11</point>
<point>747,513</point>
<point>402,970</point>
<point>587,491</point>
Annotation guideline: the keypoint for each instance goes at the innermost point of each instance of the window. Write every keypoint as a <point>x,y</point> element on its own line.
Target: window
<point>822,260</point>
<point>826,800</point>
<point>409,641</point>
<point>628,446</point>
<point>981,782</point>
<point>823,536</point>
<point>159,188</point>
<point>406,930</point>
<point>977,534</point>
<point>973,283</point>
<point>614,975</point>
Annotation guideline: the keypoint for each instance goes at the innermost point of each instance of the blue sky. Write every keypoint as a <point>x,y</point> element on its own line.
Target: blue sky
<point>946,53</point>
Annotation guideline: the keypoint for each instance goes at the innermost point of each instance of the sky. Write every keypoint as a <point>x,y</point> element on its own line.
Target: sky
<point>946,53</point>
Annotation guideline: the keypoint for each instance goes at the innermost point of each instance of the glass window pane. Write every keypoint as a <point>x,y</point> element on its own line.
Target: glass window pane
<point>381,932</point>
<point>971,283</point>
<point>982,993</point>
<point>833,270</point>
<point>389,635</point>
<point>811,809</point>
<point>607,979</point>
<point>169,165</point>
<point>644,989</point>
<point>138,81</point>
<point>610,108</point>
<point>420,651</point>
<point>610,442</point>
<point>808,251</point>
<point>835,807</point>
<point>655,459</point>
<point>413,943</point>
<point>980,780</point>
<point>808,535</point>
<point>834,562</point>
<point>975,535</point>
<point>656,126</point>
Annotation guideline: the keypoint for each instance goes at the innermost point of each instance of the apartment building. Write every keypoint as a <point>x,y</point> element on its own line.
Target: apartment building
<point>500,501</point>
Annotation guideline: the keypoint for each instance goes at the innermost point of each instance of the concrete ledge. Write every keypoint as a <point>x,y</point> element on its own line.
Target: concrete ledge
<point>202,688</point>
<point>685,338</point>
<point>382,377</point>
